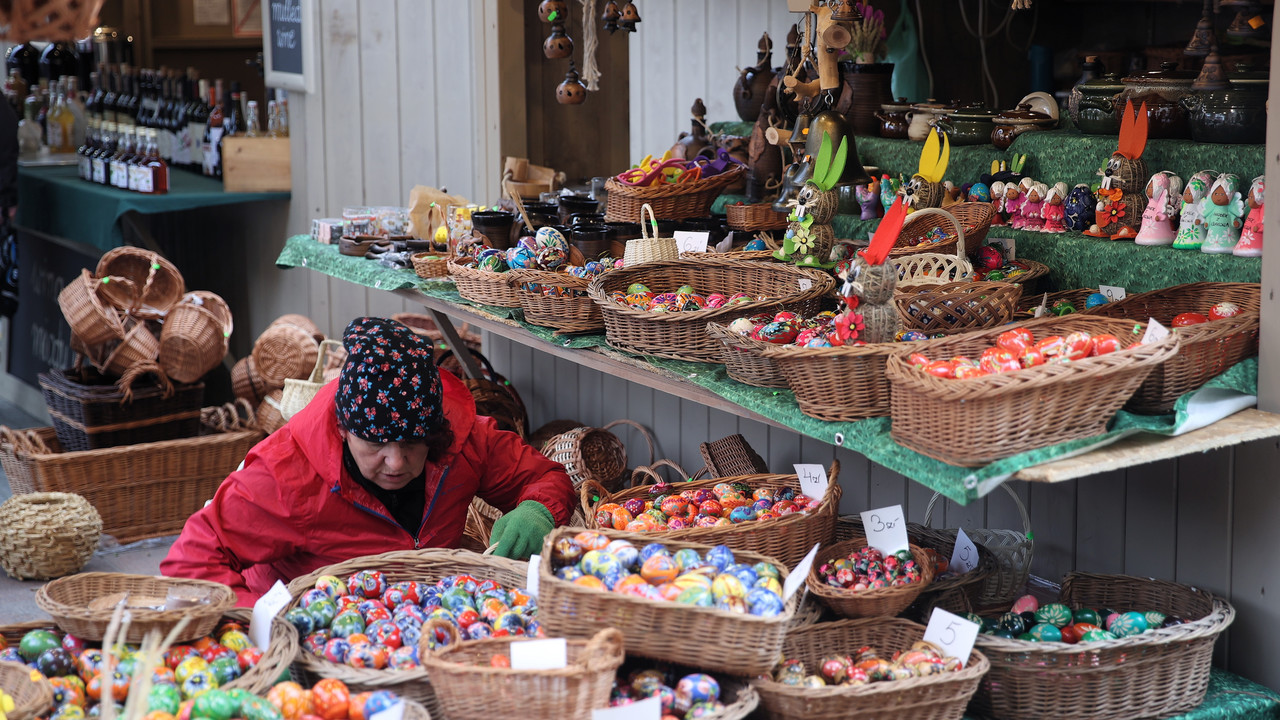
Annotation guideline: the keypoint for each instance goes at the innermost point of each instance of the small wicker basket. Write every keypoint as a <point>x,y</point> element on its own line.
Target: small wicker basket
<point>753,218</point>
<point>301,321</point>
<point>139,346</point>
<point>594,454</point>
<point>649,248</point>
<point>1012,550</point>
<point>429,265</point>
<point>284,351</point>
<point>556,300</point>
<point>744,358</point>
<point>192,342</point>
<point>839,384</point>
<point>930,268</point>
<point>928,230</point>
<point>731,456</point>
<point>247,383</point>
<point>878,602</point>
<point>482,286</point>
<point>669,201</point>
<point>956,307</point>
<point>92,320</point>
<point>32,694</point>
<point>159,284</point>
<point>47,535</point>
<point>82,604</point>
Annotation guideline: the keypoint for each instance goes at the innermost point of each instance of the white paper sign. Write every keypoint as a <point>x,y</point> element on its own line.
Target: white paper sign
<point>692,241</point>
<point>804,283</point>
<point>1044,302</point>
<point>726,244</point>
<point>797,576</point>
<point>395,712</point>
<point>647,709</point>
<point>549,654</point>
<point>531,576</point>
<point>952,633</point>
<point>1155,332</point>
<point>886,529</point>
<point>267,607</point>
<point>813,480</point>
<point>1112,292</point>
<point>964,557</point>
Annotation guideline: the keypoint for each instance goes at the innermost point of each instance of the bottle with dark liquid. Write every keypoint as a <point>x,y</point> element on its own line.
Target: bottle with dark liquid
<point>197,122</point>
<point>153,176</point>
<point>86,150</point>
<point>25,58</point>
<point>213,133</point>
<point>93,103</point>
<point>99,158</point>
<point>110,95</point>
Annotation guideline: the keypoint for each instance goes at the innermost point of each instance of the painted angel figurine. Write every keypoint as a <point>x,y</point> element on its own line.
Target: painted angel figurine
<point>1160,219</point>
<point>1191,228</point>
<point>1250,244</point>
<point>1223,213</point>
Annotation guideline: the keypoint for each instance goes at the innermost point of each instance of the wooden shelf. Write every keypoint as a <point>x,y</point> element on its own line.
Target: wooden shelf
<point>176,42</point>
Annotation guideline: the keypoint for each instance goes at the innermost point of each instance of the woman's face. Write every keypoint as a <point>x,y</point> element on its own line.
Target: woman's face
<point>391,465</point>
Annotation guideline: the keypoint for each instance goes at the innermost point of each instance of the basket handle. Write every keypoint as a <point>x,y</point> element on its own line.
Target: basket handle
<point>447,627</point>
<point>317,373</point>
<point>138,370</point>
<point>24,441</point>
<point>603,646</point>
<point>588,488</point>
<point>1022,509</point>
<point>648,437</point>
<point>955,222</point>
<point>644,227</point>
<point>651,471</point>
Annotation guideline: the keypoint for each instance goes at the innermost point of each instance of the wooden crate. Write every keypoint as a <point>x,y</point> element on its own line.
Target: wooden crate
<point>257,164</point>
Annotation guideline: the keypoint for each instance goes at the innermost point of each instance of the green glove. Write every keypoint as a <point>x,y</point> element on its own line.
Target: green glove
<point>520,532</point>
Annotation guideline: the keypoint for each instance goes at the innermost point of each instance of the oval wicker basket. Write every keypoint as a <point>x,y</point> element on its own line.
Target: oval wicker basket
<point>683,335</point>
<point>753,218</point>
<point>786,539</point>
<point>975,220</point>
<point>878,602</point>
<point>744,358</point>
<point>214,304</point>
<point>301,321</point>
<point>936,697</point>
<point>839,384</point>
<point>139,346</point>
<point>82,604</point>
<point>568,309</point>
<point>594,454</point>
<point>956,307</point>
<point>669,201</point>
<point>922,227</point>
<point>32,694</point>
<point>285,351</point>
<point>193,341</point>
<point>92,320</point>
<point>1029,279</point>
<point>247,383</point>
<point>47,535</point>
<point>482,286</point>
<point>159,284</point>
<point>429,265</point>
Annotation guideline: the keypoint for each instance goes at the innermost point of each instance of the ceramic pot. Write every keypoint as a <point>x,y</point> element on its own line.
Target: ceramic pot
<point>1093,105</point>
<point>922,117</point>
<point>1237,114</point>
<point>968,125</point>
<point>495,226</point>
<point>586,219</point>
<point>620,233</point>
<point>894,118</point>
<point>871,87</point>
<point>1162,90</point>
<point>592,240</point>
<point>571,205</point>
<point>1012,123</point>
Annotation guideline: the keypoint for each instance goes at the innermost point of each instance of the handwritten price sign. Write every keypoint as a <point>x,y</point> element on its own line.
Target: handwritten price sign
<point>886,529</point>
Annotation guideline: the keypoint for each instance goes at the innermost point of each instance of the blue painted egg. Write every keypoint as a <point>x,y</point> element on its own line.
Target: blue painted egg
<point>652,549</point>
<point>720,557</point>
<point>521,257</point>
<point>314,595</point>
<point>404,657</point>
<point>409,635</point>
<point>687,559</point>
<point>479,631</point>
<point>764,602</point>
<point>1126,624</point>
<point>756,244</point>
<point>457,599</point>
<point>551,237</point>
<point>742,514</point>
<point>626,553</point>
<point>743,572</point>
<point>1045,632</point>
<point>346,623</point>
<point>300,619</point>
<point>696,688</point>
<point>599,563</point>
<point>1094,300</point>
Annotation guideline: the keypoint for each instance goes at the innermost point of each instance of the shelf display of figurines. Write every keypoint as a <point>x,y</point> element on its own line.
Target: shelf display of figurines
<point>809,238</point>
<point>1015,196</point>
<point>1250,244</point>
<point>1191,227</point>
<point>1054,212</point>
<point>1121,200</point>
<point>1160,219</point>
<point>1033,206</point>
<point>1079,208</point>
<point>1223,215</point>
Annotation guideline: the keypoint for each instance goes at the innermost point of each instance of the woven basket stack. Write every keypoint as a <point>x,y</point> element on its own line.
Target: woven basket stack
<point>290,352</point>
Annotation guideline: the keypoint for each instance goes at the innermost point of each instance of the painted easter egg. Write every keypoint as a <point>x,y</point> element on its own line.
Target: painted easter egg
<point>1154,618</point>
<point>695,688</point>
<point>35,642</point>
<point>764,602</point>
<point>1126,624</point>
<point>624,551</point>
<point>1046,632</point>
<point>346,624</point>
<point>567,551</point>
<point>367,584</point>
<point>1097,635</point>
<point>550,258</point>
<point>716,300</point>
<point>1188,319</point>
<point>720,557</point>
<point>756,244</point>
<point>1224,310</point>
<point>492,263</point>
<point>1012,622</point>
<point>550,237</point>
<point>659,569</point>
<point>652,549</point>
<point>1026,603</point>
<point>1094,300</point>
<point>727,586</point>
<point>699,596</point>
<point>742,326</point>
<point>598,563</point>
<point>521,257</point>
<point>1055,614</point>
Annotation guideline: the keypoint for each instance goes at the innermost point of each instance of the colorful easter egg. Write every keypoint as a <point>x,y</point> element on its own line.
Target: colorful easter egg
<point>331,699</point>
<point>1097,635</point>
<point>566,551</point>
<point>548,236</point>
<point>1055,614</point>
<point>1012,622</point>
<point>695,688</point>
<point>624,551</point>
<point>1188,319</point>
<point>1086,615</point>
<point>1154,618</point>
<point>1127,624</point>
<point>1224,310</point>
<point>720,556</point>
<point>367,584</point>
<point>652,549</point>
<point>659,569</point>
<point>764,602</point>
<point>1045,632</point>
<point>598,563</point>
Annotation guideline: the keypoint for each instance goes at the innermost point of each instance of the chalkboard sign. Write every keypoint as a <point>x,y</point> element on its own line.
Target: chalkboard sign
<point>289,43</point>
<point>40,338</point>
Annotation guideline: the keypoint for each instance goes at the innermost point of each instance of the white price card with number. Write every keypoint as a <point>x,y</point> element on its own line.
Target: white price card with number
<point>531,575</point>
<point>647,709</point>
<point>395,712</point>
<point>1111,292</point>
<point>692,241</point>
<point>796,578</point>
<point>886,529</point>
<point>805,284</point>
<point>548,654</point>
<point>1042,308</point>
<point>268,606</point>
<point>952,633</point>
<point>1155,332</point>
<point>964,557</point>
<point>813,480</point>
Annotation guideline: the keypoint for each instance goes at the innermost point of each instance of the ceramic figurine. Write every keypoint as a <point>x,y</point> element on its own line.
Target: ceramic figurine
<point>1120,199</point>
<point>1250,244</point>
<point>951,195</point>
<point>869,284</point>
<point>997,202</point>
<point>978,192</point>
<point>752,86</point>
<point>888,191</point>
<point>924,189</point>
<point>1191,227</point>
<point>1078,208</point>
<point>869,200</point>
<point>1160,219</point>
<point>809,236</point>
<point>1053,212</point>
<point>1223,213</point>
<point>1033,206</point>
<point>1012,205</point>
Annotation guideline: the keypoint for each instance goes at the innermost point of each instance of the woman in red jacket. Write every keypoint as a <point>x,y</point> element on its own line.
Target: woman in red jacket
<point>386,457</point>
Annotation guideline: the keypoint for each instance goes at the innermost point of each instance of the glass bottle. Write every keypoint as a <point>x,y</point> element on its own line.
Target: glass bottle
<point>110,96</point>
<point>30,137</point>
<point>197,123</point>
<point>86,150</point>
<point>117,173</point>
<point>76,106</point>
<point>126,102</point>
<point>101,158</point>
<point>59,59</point>
<point>154,172</point>
<point>61,123</point>
<point>179,150</point>
<point>136,165</point>
<point>42,108</point>
<point>251,128</point>
<point>25,58</point>
<point>233,120</point>
<point>213,133</point>
<point>283,106</point>
<point>273,119</point>
<point>93,103</point>
<point>15,89</point>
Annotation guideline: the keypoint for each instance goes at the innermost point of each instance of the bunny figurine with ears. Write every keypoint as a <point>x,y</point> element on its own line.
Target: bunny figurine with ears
<point>1121,200</point>
<point>869,282</point>
<point>924,189</point>
<point>809,236</point>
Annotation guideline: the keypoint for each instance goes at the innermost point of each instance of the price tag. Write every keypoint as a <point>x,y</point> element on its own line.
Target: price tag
<point>549,654</point>
<point>1043,307</point>
<point>1155,332</point>
<point>804,283</point>
<point>531,576</point>
<point>952,633</point>
<point>692,241</point>
<point>1006,246</point>
<point>647,709</point>
<point>395,712</point>
<point>813,480</point>
<point>267,607</point>
<point>1112,292</point>
<point>797,576</point>
<point>726,244</point>
<point>964,557</point>
<point>886,529</point>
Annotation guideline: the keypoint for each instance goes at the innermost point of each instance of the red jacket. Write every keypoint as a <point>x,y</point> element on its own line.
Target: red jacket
<point>293,507</point>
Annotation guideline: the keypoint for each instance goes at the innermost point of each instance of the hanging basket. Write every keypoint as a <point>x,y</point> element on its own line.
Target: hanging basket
<point>47,535</point>
<point>52,20</point>
<point>594,453</point>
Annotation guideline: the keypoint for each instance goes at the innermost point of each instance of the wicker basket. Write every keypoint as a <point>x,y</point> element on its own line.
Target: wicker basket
<point>32,694</point>
<point>47,535</point>
<point>159,284</point>
<point>839,384</point>
<point>494,395</point>
<point>1029,301</point>
<point>1012,549</point>
<point>91,412</point>
<point>930,268</point>
<point>594,454</point>
<point>193,341</point>
<point>469,688</point>
<point>957,307</point>
<point>246,383</point>
<point>731,456</point>
<point>275,660</point>
<point>138,347</point>
<point>301,321</point>
<point>52,20</point>
<point>141,491</point>
<point>975,219</point>
<point>284,351</point>
<point>744,358</point>
<point>1205,350</point>
<point>921,226</point>
<point>430,565</point>
<point>754,218</point>
<point>269,416</point>
<point>425,326</point>
<point>1159,673</point>
<point>429,265</point>
<point>744,644</point>
<point>82,604</point>
<point>297,393</point>
<point>669,201</point>
<point>683,335</point>
<point>570,310</point>
<point>92,320</point>
<point>787,539</point>
<point>936,697</point>
<point>649,248</point>
<point>1022,410</point>
<point>878,602</point>
<point>482,286</point>
<point>214,304</point>
<point>1028,279</point>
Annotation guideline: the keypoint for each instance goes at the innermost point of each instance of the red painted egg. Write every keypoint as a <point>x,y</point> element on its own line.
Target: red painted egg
<point>1188,319</point>
<point>1224,310</point>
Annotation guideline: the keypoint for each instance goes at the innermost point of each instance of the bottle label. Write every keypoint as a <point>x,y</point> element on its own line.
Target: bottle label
<point>86,168</point>
<point>99,171</point>
<point>212,159</point>
<point>134,174</point>
<point>182,146</point>
<point>146,182</point>
<point>116,170</point>
<point>197,143</point>
<point>55,137</point>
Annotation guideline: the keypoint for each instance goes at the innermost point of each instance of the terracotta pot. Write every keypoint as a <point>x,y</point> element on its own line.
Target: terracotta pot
<point>1163,91</point>
<point>894,118</point>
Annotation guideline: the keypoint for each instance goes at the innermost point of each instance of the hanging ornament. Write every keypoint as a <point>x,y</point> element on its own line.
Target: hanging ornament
<point>611,16</point>
<point>571,91</point>
<point>558,45</point>
<point>552,11</point>
<point>630,16</point>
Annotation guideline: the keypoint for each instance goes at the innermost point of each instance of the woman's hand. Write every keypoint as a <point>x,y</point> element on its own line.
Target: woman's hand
<point>520,532</point>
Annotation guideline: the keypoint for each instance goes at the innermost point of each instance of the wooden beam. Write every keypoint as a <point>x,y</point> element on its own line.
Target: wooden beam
<point>1269,337</point>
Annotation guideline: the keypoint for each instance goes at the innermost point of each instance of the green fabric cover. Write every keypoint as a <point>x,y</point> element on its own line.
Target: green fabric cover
<point>55,201</point>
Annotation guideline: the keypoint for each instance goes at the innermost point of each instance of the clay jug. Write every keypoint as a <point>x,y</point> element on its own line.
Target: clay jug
<point>694,142</point>
<point>753,82</point>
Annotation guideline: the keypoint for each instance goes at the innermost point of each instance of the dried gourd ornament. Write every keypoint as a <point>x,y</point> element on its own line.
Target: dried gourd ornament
<point>571,91</point>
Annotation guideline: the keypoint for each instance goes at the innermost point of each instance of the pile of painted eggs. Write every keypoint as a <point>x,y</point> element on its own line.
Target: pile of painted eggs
<point>826,329</point>
<point>590,559</point>
<point>1056,622</point>
<point>696,695</point>
<point>685,299</point>
<point>870,569</point>
<point>719,506</point>
<point>1017,349</point>
<point>1008,272</point>
<point>370,623</point>
<point>1217,312</point>
<point>867,665</point>
<point>329,699</point>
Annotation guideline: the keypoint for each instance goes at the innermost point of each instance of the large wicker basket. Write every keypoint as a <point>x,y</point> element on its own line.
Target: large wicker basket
<point>753,218</point>
<point>568,310</point>
<point>1204,350</point>
<point>1159,673</point>
<point>93,320</point>
<point>47,535</point>
<point>482,286</point>
<point>90,411</point>
<point>683,335</point>
<point>469,688</point>
<point>936,697</point>
<point>1022,410</point>
<point>669,201</point>
<point>956,307</point>
<point>744,358</point>
<point>840,384</point>
<point>32,694</point>
<point>786,539</point>
<point>877,602</point>
<point>744,644</point>
<point>1012,550</point>
<point>82,604</point>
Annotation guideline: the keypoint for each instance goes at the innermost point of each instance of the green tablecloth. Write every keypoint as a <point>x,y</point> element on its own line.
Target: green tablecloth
<point>55,201</point>
<point>868,437</point>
